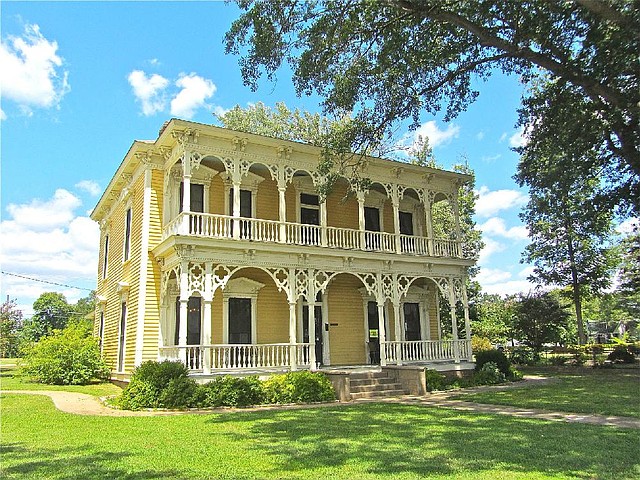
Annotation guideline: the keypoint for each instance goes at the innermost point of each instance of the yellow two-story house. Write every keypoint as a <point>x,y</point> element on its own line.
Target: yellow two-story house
<point>217,250</point>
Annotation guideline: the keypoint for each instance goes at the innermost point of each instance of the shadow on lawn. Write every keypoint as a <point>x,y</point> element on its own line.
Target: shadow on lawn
<point>388,439</point>
<point>22,462</point>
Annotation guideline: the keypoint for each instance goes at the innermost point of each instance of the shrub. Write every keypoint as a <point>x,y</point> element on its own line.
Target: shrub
<point>524,356</point>
<point>299,387</point>
<point>151,386</point>
<point>558,360</point>
<point>480,344</point>
<point>435,380</point>
<point>634,348</point>
<point>578,354</point>
<point>489,374</point>
<point>620,354</point>
<point>179,393</point>
<point>67,357</point>
<point>230,391</point>
<point>514,375</point>
<point>495,356</point>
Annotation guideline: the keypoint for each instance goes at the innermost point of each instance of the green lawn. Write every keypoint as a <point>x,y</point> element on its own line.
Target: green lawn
<point>368,441</point>
<point>585,390</point>
<point>10,380</point>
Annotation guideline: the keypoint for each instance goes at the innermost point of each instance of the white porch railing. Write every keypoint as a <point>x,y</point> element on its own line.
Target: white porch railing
<point>208,358</point>
<point>255,229</point>
<point>427,350</point>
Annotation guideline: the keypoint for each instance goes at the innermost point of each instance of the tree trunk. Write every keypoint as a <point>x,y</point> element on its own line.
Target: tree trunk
<point>577,301</point>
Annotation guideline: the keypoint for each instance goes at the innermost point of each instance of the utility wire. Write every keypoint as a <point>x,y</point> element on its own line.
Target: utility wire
<point>45,281</point>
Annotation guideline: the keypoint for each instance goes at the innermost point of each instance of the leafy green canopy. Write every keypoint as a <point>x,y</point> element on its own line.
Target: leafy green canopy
<point>390,61</point>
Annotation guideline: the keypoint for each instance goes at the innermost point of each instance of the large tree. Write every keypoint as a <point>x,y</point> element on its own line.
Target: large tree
<point>570,235</point>
<point>51,312</point>
<point>540,318</point>
<point>389,61</point>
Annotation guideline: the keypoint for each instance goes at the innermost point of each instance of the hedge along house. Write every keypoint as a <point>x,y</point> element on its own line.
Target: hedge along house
<point>217,250</point>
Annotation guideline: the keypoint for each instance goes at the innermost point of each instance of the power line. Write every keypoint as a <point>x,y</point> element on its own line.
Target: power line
<point>45,281</point>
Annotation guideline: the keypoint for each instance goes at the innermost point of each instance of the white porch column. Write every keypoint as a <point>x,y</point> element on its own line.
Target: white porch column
<point>398,332</point>
<point>396,223</point>
<point>323,222</point>
<point>454,321</point>
<point>311,305</point>
<point>467,321</point>
<point>456,216</point>
<point>206,337</point>
<point>382,334</point>
<point>293,350</point>
<point>361,222</point>
<point>236,208</point>
<point>282,213</point>
<point>186,191</point>
<point>428,219</point>
<point>184,303</point>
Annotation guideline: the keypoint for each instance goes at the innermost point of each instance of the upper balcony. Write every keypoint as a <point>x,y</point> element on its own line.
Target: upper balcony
<point>269,231</point>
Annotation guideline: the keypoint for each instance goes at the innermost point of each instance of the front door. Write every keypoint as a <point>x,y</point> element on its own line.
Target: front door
<point>373,334</point>
<point>240,320</point>
<point>411,321</point>
<point>305,329</point>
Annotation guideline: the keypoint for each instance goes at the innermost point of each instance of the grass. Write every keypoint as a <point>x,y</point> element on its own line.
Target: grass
<point>613,391</point>
<point>8,361</point>
<point>11,380</point>
<point>368,441</point>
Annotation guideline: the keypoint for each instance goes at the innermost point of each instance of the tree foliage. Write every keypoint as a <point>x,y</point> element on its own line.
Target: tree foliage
<point>629,288</point>
<point>540,318</point>
<point>570,235</point>
<point>10,323</point>
<point>52,312</point>
<point>392,61</point>
<point>495,318</point>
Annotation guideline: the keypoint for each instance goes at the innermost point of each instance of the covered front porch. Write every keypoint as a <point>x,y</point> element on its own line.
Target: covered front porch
<point>279,357</point>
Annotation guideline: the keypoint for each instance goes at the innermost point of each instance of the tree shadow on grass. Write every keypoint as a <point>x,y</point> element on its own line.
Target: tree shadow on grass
<point>390,440</point>
<point>21,462</point>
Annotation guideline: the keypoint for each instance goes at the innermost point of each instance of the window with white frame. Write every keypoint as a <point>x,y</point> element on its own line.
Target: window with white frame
<point>240,311</point>
<point>127,235</point>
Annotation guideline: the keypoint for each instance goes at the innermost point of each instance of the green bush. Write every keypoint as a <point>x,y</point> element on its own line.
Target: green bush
<point>514,375</point>
<point>435,380</point>
<point>524,356</point>
<point>299,387</point>
<point>227,391</point>
<point>578,354</point>
<point>495,356</point>
<point>179,393</point>
<point>490,374</point>
<point>151,386</point>
<point>558,360</point>
<point>66,357</point>
<point>620,354</point>
<point>479,344</point>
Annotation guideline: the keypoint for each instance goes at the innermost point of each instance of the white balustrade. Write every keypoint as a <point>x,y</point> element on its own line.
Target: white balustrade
<point>427,350</point>
<point>238,357</point>
<point>255,229</point>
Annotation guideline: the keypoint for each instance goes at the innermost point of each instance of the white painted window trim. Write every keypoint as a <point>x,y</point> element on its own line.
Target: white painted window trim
<point>250,182</point>
<point>420,296</point>
<point>106,244</point>
<point>241,288</point>
<point>126,242</point>
<point>375,199</point>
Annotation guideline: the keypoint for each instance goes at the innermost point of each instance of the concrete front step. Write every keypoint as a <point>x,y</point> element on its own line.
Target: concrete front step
<point>371,381</point>
<point>373,388</point>
<point>377,394</point>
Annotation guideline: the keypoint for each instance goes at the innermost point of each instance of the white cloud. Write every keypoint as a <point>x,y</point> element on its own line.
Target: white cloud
<point>48,241</point>
<point>491,202</point>
<point>503,137</point>
<point>508,288</point>
<point>31,72</point>
<point>497,226</point>
<point>491,246</point>
<point>492,158</point>
<point>518,139</point>
<point>487,276</point>
<point>436,136</point>
<point>149,91</point>
<point>629,225</point>
<point>3,116</point>
<point>195,91</point>
<point>480,136</point>
<point>89,186</point>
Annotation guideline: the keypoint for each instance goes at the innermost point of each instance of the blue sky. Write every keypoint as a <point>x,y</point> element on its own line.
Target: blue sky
<point>82,80</point>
